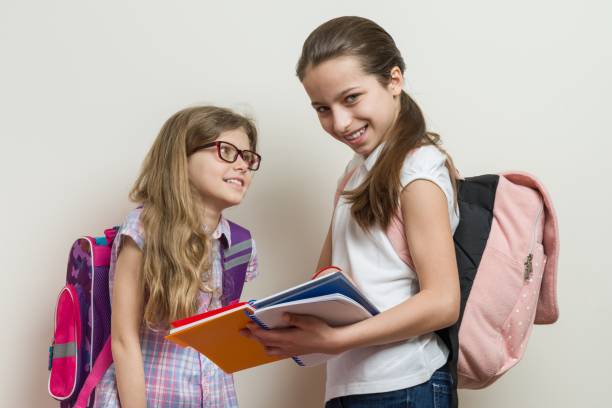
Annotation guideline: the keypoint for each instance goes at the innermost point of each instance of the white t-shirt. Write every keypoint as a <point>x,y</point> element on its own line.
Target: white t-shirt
<point>387,281</point>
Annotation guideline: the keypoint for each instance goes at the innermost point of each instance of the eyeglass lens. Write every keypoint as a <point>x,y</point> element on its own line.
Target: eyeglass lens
<point>230,153</point>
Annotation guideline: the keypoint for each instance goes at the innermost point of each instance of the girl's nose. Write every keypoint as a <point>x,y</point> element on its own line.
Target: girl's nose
<point>342,121</point>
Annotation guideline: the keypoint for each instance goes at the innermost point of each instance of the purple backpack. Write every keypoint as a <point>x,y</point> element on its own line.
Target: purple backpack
<point>80,351</point>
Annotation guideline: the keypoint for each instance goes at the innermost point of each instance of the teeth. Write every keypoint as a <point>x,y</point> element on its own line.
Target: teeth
<point>234,181</point>
<point>356,134</point>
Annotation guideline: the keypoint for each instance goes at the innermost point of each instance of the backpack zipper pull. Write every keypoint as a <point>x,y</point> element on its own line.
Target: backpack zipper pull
<point>528,266</point>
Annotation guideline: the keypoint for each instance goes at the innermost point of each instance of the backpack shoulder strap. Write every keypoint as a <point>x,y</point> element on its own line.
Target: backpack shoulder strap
<point>395,231</point>
<point>235,260</point>
<point>397,237</point>
<point>342,185</point>
<point>103,361</point>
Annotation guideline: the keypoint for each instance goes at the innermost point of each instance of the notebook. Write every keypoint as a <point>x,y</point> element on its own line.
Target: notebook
<point>216,333</point>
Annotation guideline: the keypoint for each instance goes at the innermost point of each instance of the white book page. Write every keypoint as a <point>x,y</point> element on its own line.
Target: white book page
<point>335,309</point>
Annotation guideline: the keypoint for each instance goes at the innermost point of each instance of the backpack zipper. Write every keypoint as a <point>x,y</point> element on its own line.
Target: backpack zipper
<point>528,264</point>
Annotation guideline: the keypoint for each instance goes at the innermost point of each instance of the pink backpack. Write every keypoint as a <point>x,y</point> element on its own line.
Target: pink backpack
<point>80,351</point>
<point>507,249</point>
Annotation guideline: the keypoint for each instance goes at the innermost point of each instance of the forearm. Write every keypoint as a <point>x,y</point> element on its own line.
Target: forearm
<point>423,313</point>
<point>129,372</point>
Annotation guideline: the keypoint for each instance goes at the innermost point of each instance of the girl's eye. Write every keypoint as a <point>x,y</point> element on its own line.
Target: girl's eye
<point>321,109</point>
<point>227,151</point>
<point>351,98</point>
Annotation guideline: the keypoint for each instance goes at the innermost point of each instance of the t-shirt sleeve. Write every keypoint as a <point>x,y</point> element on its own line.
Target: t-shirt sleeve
<point>429,163</point>
<point>252,269</point>
<point>132,227</point>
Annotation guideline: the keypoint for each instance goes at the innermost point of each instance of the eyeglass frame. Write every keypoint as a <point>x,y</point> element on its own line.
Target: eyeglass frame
<point>218,144</point>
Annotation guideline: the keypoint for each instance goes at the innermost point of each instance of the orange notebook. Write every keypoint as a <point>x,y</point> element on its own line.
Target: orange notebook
<point>216,335</point>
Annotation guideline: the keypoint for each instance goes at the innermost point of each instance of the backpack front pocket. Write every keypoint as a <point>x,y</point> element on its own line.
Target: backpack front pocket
<point>65,356</point>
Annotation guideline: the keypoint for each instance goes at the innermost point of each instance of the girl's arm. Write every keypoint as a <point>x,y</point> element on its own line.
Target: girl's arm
<point>429,238</point>
<point>436,305</point>
<point>126,319</point>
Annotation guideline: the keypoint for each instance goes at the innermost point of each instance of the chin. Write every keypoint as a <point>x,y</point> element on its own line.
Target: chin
<point>233,201</point>
<point>364,150</point>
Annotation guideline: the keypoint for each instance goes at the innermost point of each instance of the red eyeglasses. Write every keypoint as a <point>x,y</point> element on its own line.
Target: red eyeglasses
<point>229,153</point>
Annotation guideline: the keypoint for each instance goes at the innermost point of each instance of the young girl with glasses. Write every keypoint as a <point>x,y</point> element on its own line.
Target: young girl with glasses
<point>353,74</point>
<point>167,260</point>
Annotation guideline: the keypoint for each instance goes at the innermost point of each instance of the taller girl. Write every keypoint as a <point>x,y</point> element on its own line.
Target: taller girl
<point>353,73</point>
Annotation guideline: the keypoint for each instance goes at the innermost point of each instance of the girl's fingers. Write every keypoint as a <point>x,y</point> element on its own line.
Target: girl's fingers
<point>246,333</point>
<point>275,351</point>
<point>274,344</point>
<point>268,338</point>
<point>274,334</point>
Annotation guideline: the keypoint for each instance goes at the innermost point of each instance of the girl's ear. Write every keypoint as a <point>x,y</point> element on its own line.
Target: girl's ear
<point>396,81</point>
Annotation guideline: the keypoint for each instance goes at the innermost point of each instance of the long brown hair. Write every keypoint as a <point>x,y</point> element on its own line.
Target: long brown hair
<point>176,254</point>
<point>376,200</point>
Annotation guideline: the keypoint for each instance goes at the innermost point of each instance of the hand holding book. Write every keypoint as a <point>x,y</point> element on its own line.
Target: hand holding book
<point>307,336</point>
<point>314,308</point>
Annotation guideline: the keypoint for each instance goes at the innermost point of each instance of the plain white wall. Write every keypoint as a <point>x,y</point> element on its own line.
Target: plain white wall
<point>85,86</point>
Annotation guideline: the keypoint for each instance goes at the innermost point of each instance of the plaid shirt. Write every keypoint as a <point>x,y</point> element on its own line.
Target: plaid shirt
<point>174,376</point>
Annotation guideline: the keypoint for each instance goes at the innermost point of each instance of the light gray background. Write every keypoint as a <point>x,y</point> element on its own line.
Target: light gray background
<point>85,86</point>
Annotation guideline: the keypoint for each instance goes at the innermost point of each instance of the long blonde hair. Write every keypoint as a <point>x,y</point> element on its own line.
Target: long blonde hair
<point>376,200</point>
<point>176,255</point>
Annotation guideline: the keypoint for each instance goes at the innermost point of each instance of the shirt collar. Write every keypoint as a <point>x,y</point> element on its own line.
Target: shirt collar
<point>370,161</point>
<point>223,232</point>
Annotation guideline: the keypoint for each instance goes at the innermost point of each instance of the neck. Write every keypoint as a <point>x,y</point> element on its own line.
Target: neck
<point>211,218</point>
<point>398,108</point>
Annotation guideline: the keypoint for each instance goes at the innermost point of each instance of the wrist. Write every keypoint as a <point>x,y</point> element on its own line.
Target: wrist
<point>341,340</point>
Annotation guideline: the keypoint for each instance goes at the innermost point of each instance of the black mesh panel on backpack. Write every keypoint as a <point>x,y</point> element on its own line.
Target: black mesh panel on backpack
<point>475,197</point>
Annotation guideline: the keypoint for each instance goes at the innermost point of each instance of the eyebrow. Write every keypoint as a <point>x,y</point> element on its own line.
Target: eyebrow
<point>314,103</point>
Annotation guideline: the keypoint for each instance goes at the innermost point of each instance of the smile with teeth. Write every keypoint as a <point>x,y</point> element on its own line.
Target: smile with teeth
<point>236,181</point>
<point>356,134</point>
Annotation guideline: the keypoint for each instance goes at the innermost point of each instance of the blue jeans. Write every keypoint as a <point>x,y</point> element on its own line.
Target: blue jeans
<point>434,393</point>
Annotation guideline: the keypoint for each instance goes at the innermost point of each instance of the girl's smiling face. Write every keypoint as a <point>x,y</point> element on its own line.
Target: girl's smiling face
<point>353,106</point>
<point>221,184</point>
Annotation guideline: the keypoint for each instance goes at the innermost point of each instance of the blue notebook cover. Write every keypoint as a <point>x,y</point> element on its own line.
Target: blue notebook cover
<point>333,283</point>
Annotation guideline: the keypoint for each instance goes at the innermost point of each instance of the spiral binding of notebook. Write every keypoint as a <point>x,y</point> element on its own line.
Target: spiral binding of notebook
<point>265,327</point>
